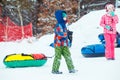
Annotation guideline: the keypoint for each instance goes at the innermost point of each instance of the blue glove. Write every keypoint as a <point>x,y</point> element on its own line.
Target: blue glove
<point>112,13</point>
<point>107,27</point>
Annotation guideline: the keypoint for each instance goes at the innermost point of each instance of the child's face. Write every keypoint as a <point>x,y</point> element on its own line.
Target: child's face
<point>110,8</point>
<point>65,18</point>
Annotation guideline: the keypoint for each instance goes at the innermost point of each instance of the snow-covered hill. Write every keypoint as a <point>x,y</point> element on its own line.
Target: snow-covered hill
<point>86,32</point>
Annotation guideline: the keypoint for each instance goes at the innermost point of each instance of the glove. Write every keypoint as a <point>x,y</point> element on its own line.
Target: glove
<point>112,13</point>
<point>107,27</point>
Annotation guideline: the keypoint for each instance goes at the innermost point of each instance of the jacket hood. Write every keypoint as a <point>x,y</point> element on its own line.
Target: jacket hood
<point>59,17</point>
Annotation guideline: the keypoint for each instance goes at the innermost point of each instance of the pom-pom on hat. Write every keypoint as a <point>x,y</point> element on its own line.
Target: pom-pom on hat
<point>64,15</point>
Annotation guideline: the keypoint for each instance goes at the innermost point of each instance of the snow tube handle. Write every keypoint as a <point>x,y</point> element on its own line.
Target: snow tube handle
<point>26,54</point>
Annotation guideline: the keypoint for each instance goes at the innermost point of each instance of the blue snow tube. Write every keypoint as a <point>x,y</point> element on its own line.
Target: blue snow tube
<point>95,50</point>
<point>118,42</point>
<point>118,39</point>
<point>101,38</point>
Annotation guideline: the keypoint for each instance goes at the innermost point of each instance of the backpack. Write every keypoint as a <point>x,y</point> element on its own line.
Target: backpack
<point>69,34</point>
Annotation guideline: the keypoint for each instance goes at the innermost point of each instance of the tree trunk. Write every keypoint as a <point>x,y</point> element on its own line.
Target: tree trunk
<point>79,9</point>
<point>116,3</point>
<point>21,21</point>
<point>6,31</point>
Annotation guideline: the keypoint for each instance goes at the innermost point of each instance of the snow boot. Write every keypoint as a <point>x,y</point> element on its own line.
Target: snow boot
<point>73,71</point>
<point>56,72</point>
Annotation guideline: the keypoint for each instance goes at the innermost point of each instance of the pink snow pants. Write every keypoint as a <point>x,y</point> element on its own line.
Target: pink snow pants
<point>110,45</point>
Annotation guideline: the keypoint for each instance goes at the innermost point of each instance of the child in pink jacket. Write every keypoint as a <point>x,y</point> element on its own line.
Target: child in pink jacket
<point>108,22</point>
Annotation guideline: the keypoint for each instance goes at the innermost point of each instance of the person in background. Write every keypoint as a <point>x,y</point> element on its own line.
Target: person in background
<point>108,22</point>
<point>61,43</point>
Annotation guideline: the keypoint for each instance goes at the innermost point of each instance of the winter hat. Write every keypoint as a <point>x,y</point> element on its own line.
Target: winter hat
<point>59,16</point>
<point>109,6</point>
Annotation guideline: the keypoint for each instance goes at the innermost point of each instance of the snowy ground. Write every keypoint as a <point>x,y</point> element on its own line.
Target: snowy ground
<point>86,32</point>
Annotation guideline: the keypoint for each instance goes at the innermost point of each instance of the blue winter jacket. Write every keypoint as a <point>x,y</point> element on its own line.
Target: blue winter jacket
<point>60,30</point>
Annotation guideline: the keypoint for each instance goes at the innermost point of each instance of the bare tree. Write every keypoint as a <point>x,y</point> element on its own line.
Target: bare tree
<point>20,11</point>
<point>79,1</point>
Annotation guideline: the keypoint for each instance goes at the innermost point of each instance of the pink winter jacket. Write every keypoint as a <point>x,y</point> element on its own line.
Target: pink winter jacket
<point>111,21</point>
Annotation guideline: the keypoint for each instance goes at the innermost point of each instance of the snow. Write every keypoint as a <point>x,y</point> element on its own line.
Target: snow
<point>85,31</point>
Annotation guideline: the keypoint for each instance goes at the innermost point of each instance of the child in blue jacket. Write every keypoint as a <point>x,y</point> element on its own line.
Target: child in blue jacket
<point>61,44</point>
